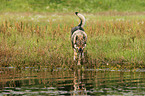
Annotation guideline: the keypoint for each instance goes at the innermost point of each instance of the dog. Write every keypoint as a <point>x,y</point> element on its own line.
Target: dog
<point>79,39</point>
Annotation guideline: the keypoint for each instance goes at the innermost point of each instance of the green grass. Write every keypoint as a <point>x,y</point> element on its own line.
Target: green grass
<point>71,5</point>
<point>114,41</point>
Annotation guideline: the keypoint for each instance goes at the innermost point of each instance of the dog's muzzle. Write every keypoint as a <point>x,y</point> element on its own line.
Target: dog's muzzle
<point>80,50</point>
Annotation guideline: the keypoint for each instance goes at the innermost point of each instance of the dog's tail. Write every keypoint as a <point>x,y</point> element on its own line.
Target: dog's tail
<point>82,18</point>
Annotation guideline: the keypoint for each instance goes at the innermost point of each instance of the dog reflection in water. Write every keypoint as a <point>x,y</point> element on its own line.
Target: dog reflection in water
<point>79,84</point>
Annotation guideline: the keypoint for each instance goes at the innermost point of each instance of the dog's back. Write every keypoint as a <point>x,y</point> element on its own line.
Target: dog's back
<point>76,28</point>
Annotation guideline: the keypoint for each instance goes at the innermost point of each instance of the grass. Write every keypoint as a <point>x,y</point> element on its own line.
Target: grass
<point>37,40</point>
<point>92,6</point>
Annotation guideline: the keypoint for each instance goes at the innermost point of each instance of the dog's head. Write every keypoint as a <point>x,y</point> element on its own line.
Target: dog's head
<point>80,42</point>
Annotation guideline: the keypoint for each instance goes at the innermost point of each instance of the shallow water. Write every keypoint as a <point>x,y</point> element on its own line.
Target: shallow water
<point>31,81</point>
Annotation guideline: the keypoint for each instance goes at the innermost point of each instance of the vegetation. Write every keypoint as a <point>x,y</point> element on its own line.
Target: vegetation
<point>115,33</point>
<point>36,40</point>
<point>92,6</point>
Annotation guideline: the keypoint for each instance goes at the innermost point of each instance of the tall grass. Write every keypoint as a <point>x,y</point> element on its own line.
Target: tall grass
<point>37,40</point>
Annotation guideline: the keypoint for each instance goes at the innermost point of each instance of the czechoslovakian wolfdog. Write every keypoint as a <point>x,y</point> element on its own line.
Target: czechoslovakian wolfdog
<point>78,39</point>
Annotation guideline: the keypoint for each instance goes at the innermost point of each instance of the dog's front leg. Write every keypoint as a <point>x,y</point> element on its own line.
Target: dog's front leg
<point>75,54</point>
<point>79,59</point>
<point>83,57</point>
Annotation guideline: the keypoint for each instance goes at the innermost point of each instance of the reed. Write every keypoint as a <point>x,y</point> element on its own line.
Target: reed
<point>37,40</point>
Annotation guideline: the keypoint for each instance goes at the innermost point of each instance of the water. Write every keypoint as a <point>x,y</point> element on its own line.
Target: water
<point>31,81</point>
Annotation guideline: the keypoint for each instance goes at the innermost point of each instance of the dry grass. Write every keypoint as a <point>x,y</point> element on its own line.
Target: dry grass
<point>44,40</point>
